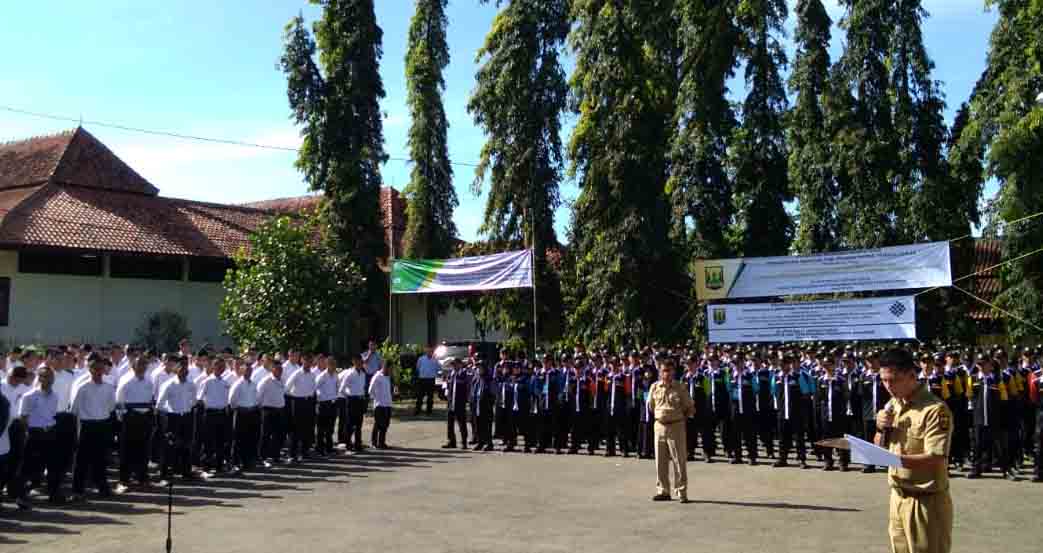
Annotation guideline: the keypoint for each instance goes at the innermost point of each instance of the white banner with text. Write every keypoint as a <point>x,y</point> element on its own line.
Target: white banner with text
<point>890,318</point>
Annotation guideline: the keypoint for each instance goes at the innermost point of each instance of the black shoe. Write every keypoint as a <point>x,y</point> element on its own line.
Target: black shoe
<point>1037,479</point>
<point>487,448</point>
<point>735,461</point>
<point>868,470</point>
<point>449,445</point>
<point>685,500</point>
<point>753,462</point>
<point>573,451</point>
<point>829,468</point>
<point>661,497</point>
<point>844,468</point>
<point>1010,475</point>
<point>478,447</point>
<point>558,452</point>
<point>610,455</point>
<point>709,460</point>
<point>540,450</point>
<point>527,450</point>
<point>804,465</point>
<point>780,464</point>
<point>973,475</point>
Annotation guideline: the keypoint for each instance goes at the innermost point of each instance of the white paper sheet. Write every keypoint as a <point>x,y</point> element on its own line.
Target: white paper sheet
<point>869,454</point>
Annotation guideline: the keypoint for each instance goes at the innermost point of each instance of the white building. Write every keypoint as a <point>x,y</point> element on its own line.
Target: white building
<point>89,249</point>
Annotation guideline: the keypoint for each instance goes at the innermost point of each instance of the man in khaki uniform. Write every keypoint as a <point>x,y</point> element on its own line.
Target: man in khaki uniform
<point>671,405</point>
<point>917,426</point>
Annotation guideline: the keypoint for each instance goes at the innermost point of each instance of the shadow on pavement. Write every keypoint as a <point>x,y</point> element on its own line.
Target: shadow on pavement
<point>787,506</point>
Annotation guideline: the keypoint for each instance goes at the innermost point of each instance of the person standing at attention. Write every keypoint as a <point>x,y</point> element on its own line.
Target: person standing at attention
<point>671,405</point>
<point>427,369</point>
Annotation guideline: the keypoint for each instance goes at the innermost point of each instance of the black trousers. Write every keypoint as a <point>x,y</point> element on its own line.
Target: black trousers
<point>504,427</point>
<point>356,408</point>
<point>743,434</point>
<point>691,431</point>
<point>580,431</point>
<point>39,455</point>
<point>217,430</point>
<point>1039,443</point>
<point>1029,416</point>
<point>561,427</point>
<point>869,432</point>
<point>724,423</point>
<point>594,431</point>
<point>792,432</point>
<point>425,389</point>
<point>342,420</point>
<point>273,431</point>
<point>247,437</point>
<point>65,427</point>
<point>176,431</point>
<point>16,434</point>
<point>765,422</point>
<point>616,431</point>
<point>991,441</point>
<point>456,417</point>
<point>961,431</point>
<point>92,456</point>
<point>645,439</point>
<point>134,445</point>
<point>303,426</point>
<point>835,428</point>
<point>381,423</point>
<point>483,424</point>
<point>327,418</point>
<point>548,415</point>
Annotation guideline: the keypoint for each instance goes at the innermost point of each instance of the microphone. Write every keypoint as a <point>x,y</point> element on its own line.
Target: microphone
<point>885,441</point>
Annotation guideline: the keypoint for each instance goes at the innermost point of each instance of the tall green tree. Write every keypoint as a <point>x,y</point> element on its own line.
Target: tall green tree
<point>758,151</point>
<point>431,198</point>
<point>334,89</point>
<point>1007,118</point>
<point>699,186</point>
<point>520,94</point>
<point>864,144</point>
<point>810,158</point>
<point>624,86</point>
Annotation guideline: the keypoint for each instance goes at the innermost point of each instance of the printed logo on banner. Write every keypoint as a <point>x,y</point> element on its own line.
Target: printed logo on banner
<point>720,315</point>
<point>715,277</point>
<point>897,309</point>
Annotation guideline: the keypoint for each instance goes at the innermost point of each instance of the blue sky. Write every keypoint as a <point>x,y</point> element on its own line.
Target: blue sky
<point>209,69</point>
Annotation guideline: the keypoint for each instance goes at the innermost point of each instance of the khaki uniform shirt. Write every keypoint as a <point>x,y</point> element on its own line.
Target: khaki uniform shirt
<point>921,425</point>
<point>670,404</point>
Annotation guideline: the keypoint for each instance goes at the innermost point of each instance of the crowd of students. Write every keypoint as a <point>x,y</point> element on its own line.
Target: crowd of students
<point>66,409</point>
<point>779,400</point>
<point>181,415</point>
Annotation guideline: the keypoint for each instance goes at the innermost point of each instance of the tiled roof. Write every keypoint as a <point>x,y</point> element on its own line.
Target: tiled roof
<point>987,285</point>
<point>288,206</point>
<point>71,157</point>
<point>95,219</point>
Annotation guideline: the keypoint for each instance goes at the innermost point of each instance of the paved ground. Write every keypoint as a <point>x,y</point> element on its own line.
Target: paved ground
<point>419,498</point>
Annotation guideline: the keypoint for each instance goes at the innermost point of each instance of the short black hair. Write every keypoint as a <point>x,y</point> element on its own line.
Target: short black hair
<point>899,359</point>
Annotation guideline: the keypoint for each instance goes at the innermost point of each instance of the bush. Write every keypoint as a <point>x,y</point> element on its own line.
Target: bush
<point>162,330</point>
<point>401,360</point>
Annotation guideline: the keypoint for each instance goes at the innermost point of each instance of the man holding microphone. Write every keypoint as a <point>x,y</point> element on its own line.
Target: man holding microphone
<point>916,426</point>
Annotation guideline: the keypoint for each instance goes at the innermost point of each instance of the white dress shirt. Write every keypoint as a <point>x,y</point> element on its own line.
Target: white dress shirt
<point>242,394</point>
<point>94,402</point>
<point>159,379</point>
<point>326,386</point>
<point>14,395</point>
<point>259,373</point>
<point>289,368</point>
<point>38,408</point>
<point>301,384</point>
<point>134,391</point>
<point>176,397</point>
<point>62,386</point>
<point>380,390</point>
<point>214,393</point>
<point>353,383</point>
<point>372,361</point>
<point>271,393</point>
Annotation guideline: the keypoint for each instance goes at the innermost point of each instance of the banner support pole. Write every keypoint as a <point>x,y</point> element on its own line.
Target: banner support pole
<point>532,276</point>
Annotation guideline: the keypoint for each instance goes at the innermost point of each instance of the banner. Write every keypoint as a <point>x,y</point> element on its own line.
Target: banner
<point>863,319</point>
<point>485,272</point>
<point>894,268</point>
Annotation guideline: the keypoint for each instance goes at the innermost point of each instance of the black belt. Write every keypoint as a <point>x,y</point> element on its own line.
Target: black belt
<point>272,409</point>
<point>248,409</point>
<point>94,422</point>
<point>215,411</point>
<point>327,401</point>
<point>41,429</point>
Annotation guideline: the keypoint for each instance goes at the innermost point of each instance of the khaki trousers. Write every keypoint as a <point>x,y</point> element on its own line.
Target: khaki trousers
<point>921,524</point>
<point>670,452</point>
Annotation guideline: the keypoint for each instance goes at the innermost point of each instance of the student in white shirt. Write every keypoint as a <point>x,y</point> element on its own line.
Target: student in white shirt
<point>13,388</point>
<point>93,404</point>
<point>134,395</point>
<point>213,394</point>
<point>5,442</point>
<point>37,410</point>
<point>300,388</point>
<point>174,403</point>
<point>271,397</point>
<point>353,390</point>
<point>326,397</point>
<point>380,391</point>
<point>242,400</point>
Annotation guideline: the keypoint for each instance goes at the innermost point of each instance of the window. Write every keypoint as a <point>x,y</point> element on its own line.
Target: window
<point>59,263</point>
<point>145,267</point>
<point>208,270</point>
<point>5,300</point>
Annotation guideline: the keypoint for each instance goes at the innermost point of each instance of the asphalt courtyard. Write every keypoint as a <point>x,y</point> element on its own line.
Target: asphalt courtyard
<point>419,498</point>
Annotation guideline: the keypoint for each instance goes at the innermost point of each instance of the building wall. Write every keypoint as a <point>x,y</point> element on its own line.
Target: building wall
<point>50,309</point>
<point>454,324</point>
